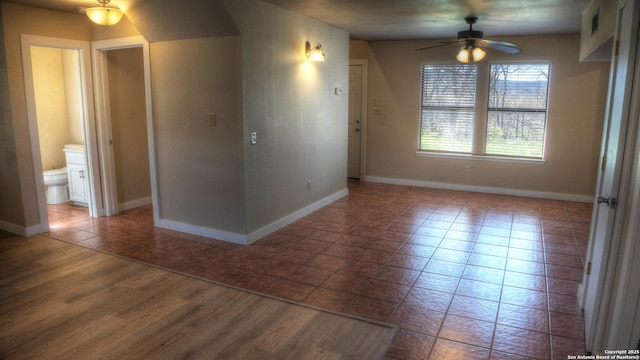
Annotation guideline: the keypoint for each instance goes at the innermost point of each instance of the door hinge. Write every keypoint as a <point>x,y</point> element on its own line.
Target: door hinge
<point>589,268</point>
<point>604,163</point>
<point>616,48</point>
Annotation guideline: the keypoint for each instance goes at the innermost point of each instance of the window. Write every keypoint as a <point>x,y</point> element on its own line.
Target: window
<point>514,113</point>
<point>517,116</point>
<point>448,107</point>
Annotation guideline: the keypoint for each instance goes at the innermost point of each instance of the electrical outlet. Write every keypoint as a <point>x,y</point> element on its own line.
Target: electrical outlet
<point>467,169</point>
<point>308,184</point>
<point>254,138</point>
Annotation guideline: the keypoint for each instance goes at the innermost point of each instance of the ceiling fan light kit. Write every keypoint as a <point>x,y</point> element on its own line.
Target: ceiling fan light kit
<point>470,54</point>
<point>473,41</point>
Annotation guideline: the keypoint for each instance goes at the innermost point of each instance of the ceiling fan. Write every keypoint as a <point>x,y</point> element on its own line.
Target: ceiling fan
<point>472,42</point>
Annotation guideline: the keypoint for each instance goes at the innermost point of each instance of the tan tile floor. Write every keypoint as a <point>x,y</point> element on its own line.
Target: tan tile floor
<point>464,275</point>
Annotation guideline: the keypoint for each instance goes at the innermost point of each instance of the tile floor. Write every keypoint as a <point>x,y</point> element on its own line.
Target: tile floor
<point>464,275</point>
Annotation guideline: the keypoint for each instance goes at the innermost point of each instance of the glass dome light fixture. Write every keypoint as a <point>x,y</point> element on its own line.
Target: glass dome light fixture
<point>103,15</point>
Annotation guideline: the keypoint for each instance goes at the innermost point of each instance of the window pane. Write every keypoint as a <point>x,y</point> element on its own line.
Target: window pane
<point>447,130</point>
<point>516,133</point>
<point>517,115</point>
<point>449,85</point>
<point>447,112</point>
<point>518,86</point>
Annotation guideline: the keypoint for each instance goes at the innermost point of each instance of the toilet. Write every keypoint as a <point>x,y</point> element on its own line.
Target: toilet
<point>56,181</point>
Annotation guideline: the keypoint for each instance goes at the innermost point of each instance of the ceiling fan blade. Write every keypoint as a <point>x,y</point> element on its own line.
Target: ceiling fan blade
<point>504,46</point>
<point>500,42</point>
<point>442,43</point>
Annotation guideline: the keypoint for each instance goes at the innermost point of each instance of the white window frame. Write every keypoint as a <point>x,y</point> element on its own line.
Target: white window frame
<point>481,117</point>
<point>472,108</point>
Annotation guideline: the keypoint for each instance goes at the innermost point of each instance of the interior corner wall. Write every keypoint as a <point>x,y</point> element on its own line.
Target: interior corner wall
<point>577,93</point>
<point>17,20</point>
<point>200,166</point>
<point>11,209</point>
<point>291,105</point>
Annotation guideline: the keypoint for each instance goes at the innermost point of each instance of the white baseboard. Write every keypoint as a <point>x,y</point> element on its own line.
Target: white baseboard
<point>481,189</point>
<point>22,230</point>
<point>134,204</point>
<point>256,235</point>
<point>202,231</point>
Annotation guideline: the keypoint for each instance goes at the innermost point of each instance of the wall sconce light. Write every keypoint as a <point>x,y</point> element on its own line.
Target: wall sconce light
<point>470,53</point>
<point>314,53</point>
<point>104,15</point>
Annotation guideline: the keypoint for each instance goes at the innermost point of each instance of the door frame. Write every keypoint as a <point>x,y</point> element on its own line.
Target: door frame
<point>612,272</point>
<point>624,288</point>
<point>363,128</point>
<point>99,51</point>
<point>89,122</point>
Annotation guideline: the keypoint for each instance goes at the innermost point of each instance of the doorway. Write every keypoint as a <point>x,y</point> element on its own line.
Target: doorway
<point>57,96</point>
<point>65,63</point>
<point>129,127</point>
<point>96,122</point>
<point>357,119</point>
<point>126,144</point>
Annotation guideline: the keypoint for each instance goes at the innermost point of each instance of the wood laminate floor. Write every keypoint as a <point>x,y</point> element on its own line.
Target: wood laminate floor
<point>61,301</point>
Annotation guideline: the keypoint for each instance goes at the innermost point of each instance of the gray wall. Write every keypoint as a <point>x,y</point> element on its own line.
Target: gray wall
<point>200,167</point>
<point>289,102</point>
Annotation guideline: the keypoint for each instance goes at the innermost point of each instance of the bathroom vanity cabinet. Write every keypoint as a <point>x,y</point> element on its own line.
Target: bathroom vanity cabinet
<point>77,174</point>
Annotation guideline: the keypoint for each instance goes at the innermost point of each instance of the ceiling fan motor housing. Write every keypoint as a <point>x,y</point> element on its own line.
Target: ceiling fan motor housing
<point>470,34</point>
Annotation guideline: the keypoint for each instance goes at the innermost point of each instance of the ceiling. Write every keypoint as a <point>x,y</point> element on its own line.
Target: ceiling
<point>410,19</point>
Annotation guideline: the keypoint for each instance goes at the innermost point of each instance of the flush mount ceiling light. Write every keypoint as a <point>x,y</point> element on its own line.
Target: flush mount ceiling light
<point>104,15</point>
<point>314,53</point>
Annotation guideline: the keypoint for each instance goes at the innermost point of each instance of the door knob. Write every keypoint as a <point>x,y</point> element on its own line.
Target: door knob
<point>611,202</point>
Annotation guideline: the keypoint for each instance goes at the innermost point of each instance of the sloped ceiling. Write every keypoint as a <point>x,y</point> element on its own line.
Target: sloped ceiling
<point>165,20</point>
<point>159,20</point>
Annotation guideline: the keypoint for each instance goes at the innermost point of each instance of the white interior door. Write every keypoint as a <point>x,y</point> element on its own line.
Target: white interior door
<point>612,153</point>
<point>355,121</point>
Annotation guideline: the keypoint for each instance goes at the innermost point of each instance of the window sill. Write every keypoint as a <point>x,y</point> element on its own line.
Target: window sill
<point>520,160</point>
